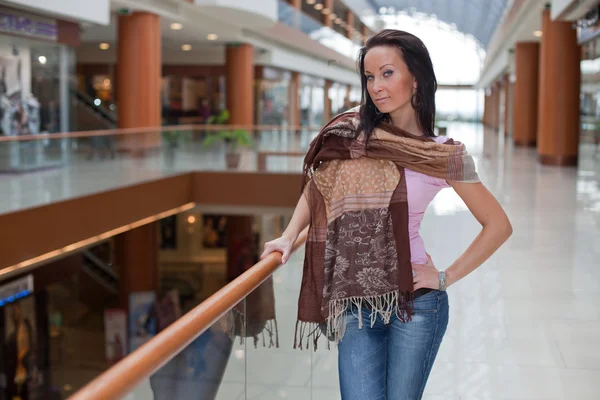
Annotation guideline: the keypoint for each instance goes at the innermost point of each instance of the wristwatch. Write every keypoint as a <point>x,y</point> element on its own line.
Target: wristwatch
<point>442,276</point>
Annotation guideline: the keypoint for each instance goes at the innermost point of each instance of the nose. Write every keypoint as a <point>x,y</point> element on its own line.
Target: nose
<point>376,87</point>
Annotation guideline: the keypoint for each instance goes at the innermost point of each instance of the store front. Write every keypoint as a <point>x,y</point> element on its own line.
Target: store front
<point>36,68</point>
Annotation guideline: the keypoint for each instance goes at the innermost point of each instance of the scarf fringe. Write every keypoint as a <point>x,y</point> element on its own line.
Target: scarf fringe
<point>236,326</point>
<point>384,306</point>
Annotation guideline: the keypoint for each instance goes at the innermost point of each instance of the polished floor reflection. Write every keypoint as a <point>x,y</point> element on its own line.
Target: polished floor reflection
<point>523,326</point>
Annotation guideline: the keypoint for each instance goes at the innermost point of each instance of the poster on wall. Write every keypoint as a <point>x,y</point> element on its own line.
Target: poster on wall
<point>142,318</point>
<point>214,231</point>
<point>115,334</point>
<point>23,379</point>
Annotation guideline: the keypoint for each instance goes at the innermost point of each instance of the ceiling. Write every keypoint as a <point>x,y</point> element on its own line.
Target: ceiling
<point>478,18</point>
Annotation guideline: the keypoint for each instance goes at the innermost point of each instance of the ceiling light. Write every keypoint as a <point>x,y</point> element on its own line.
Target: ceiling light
<point>318,6</point>
<point>191,219</point>
<point>212,36</point>
<point>326,11</point>
<point>104,46</point>
<point>332,16</point>
<point>42,59</point>
<point>537,33</point>
<point>338,21</point>
<point>186,47</point>
<point>176,26</point>
<point>309,2</point>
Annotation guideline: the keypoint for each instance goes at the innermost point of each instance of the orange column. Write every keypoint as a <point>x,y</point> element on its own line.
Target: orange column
<point>349,23</point>
<point>136,253</point>
<point>239,66</point>
<point>139,71</point>
<point>296,3</point>
<point>525,111</point>
<point>507,90</point>
<point>328,4</point>
<point>560,78</point>
<point>327,101</point>
<point>294,102</point>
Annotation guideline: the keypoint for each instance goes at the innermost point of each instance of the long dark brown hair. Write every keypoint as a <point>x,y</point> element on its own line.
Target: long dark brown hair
<point>415,55</point>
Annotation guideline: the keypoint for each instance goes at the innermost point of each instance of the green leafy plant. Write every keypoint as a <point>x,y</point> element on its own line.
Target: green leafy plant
<point>233,138</point>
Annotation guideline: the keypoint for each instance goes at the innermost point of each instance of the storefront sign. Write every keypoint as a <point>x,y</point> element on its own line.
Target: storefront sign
<point>115,334</point>
<point>22,24</point>
<point>16,289</point>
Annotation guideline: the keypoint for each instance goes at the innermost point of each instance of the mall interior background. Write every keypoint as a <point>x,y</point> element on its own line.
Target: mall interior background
<point>60,72</point>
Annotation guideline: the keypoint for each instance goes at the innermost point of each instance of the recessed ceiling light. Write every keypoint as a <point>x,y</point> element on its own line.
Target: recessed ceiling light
<point>338,20</point>
<point>326,11</point>
<point>332,16</point>
<point>186,47</point>
<point>309,2</point>
<point>318,6</point>
<point>537,33</point>
<point>42,59</point>
<point>176,26</point>
<point>104,46</point>
<point>212,36</point>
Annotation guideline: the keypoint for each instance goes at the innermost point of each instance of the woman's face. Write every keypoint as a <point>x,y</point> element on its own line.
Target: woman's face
<point>389,82</point>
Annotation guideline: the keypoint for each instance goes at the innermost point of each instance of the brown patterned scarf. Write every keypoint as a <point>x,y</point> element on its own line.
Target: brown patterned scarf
<point>358,247</point>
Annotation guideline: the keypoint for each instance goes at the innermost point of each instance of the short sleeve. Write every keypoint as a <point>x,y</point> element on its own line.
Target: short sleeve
<point>439,182</point>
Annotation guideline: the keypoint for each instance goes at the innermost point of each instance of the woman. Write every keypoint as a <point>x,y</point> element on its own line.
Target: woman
<point>368,283</point>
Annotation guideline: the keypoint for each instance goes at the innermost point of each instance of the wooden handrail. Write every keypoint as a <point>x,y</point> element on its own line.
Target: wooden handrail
<point>157,129</point>
<point>124,376</point>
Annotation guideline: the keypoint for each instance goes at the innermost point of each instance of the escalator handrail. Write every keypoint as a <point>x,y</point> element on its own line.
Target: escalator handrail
<point>124,376</point>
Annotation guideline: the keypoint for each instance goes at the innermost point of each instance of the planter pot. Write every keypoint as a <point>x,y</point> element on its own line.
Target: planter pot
<point>232,160</point>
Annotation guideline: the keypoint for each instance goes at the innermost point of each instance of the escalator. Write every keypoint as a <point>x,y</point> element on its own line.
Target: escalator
<point>90,115</point>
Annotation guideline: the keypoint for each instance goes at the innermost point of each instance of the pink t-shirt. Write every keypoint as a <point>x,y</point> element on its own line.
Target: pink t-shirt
<point>421,191</point>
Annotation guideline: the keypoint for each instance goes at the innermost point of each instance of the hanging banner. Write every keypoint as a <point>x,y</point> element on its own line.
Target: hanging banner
<point>23,24</point>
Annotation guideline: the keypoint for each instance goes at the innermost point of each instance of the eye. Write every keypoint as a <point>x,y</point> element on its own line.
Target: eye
<point>387,73</point>
<point>369,77</point>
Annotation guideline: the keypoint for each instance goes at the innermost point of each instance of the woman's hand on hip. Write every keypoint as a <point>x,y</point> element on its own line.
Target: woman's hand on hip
<point>282,244</point>
<point>426,275</point>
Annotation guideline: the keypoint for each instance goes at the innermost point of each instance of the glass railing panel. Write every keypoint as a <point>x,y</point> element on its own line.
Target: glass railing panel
<point>317,31</point>
<point>212,366</point>
<point>89,163</point>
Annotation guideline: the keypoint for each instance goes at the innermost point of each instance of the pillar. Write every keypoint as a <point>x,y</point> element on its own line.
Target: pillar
<point>525,111</point>
<point>328,4</point>
<point>136,254</point>
<point>139,71</point>
<point>294,102</point>
<point>560,78</point>
<point>297,4</point>
<point>507,97</point>
<point>486,108</point>
<point>239,66</point>
<point>327,102</point>
<point>349,23</point>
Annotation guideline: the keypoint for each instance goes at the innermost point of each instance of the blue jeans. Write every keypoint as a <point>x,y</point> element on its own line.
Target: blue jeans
<point>393,361</point>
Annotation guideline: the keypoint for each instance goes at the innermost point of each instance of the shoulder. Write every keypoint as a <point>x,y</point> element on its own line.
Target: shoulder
<point>442,139</point>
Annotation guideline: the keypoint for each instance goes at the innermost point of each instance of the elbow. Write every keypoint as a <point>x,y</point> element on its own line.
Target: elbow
<point>505,229</point>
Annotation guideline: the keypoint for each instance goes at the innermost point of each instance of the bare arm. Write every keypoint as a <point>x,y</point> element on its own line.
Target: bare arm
<point>299,221</point>
<point>496,229</point>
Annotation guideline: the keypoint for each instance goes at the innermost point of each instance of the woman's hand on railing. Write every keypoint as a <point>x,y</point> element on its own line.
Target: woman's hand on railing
<point>282,244</point>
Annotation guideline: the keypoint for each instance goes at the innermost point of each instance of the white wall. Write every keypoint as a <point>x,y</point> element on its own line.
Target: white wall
<point>558,7</point>
<point>95,11</point>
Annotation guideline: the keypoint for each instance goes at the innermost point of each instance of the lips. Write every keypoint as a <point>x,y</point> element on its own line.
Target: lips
<point>381,100</point>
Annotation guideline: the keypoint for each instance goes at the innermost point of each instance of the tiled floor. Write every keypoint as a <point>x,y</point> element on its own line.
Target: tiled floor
<point>525,325</point>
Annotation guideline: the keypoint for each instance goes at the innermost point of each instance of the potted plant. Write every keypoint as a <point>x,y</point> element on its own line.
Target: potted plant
<point>233,138</point>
